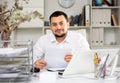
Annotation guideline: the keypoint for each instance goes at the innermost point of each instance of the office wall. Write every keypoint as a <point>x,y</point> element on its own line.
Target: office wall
<point>53,5</point>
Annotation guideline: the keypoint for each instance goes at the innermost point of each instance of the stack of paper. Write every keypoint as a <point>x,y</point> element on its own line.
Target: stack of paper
<point>9,73</point>
<point>10,52</point>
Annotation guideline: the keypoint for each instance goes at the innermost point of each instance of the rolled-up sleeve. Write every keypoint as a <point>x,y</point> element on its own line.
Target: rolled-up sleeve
<point>38,50</point>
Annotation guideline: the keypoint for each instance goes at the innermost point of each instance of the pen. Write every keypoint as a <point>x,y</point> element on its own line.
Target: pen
<point>103,70</point>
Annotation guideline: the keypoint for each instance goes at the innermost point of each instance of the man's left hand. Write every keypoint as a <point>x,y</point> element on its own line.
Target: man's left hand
<point>68,57</point>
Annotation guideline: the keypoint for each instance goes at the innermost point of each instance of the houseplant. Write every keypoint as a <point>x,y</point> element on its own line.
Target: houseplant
<point>10,19</point>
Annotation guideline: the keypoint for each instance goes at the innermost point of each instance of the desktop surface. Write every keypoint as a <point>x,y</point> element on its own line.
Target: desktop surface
<point>52,77</point>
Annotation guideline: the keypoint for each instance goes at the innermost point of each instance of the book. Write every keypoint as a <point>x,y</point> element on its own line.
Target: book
<point>71,21</point>
<point>93,2</point>
<point>82,17</point>
<point>107,2</point>
<point>114,3</point>
<point>114,20</point>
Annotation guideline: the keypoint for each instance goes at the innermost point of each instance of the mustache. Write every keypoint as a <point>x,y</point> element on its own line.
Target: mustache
<point>59,30</point>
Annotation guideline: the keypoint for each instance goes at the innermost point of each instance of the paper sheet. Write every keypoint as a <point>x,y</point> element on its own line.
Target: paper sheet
<point>55,57</point>
<point>9,75</point>
<point>10,52</point>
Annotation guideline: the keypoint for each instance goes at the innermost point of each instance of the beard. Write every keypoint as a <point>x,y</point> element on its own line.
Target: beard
<point>59,36</point>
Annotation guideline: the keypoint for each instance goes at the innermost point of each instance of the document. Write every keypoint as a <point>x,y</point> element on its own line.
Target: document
<point>10,52</point>
<point>9,73</point>
<point>55,57</point>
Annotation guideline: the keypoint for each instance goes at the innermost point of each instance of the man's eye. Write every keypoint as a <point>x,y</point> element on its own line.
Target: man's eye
<point>54,24</point>
<point>61,24</point>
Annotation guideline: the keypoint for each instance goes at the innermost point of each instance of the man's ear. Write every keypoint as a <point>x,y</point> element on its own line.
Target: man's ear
<point>68,24</point>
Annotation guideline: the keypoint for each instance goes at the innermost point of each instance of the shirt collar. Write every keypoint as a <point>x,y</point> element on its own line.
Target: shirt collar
<point>67,39</point>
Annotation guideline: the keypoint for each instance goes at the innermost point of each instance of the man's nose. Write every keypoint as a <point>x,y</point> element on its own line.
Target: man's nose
<point>58,26</point>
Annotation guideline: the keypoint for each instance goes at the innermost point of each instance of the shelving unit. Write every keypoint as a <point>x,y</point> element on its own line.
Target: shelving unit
<point>105,36</point>
<point>16,62</point>
<point>109,35</point>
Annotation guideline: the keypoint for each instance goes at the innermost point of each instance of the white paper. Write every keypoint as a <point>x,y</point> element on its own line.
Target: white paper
<point>10,52</point>
<point>55,57</point>
<point>9,75</point>
<point>11,64</point>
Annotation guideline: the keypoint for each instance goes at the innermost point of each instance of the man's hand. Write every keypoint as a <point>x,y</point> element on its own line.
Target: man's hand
<point>68,57</point>
<point>40,64</point>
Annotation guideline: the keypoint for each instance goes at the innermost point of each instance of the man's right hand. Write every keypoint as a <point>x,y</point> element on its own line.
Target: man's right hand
<point>40,64</point>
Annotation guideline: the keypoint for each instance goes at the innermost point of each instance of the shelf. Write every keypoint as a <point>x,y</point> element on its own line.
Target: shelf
<point>106,46</point>
<point>80,27</point>
<point>30,27</point>
<point>105,7</point>
<point>72,27</point>
<point>106,27</point>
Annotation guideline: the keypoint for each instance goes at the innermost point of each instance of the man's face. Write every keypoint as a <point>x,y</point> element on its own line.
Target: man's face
<point>59,26</point>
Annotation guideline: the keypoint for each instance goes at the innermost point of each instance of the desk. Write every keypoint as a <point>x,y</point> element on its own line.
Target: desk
<point>52,77</point>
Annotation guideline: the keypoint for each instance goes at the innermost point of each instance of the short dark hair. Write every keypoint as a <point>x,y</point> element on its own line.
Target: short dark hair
<point>58,13</point>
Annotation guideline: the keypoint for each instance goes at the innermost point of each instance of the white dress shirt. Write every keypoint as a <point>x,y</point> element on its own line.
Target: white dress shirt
<point>73,41</point>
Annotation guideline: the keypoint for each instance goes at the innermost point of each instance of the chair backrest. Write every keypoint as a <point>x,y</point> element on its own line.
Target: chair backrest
<point>82,31</point>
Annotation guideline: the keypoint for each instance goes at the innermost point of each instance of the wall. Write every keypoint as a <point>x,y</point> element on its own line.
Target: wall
<point>53,5</point>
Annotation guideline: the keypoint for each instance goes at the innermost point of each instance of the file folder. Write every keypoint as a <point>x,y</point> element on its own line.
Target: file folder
<point>87,15</point>
<point>95,37</point>
<point>98,36</point>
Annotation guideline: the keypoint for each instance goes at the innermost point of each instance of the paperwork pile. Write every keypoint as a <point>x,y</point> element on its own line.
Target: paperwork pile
<point>10,52</point>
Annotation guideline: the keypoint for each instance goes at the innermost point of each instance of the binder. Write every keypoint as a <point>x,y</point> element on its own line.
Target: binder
<point>98,36</point>
<point>109,3</point>
<point>101,36</point>
<point>87,15</point>
<point>95,37</point>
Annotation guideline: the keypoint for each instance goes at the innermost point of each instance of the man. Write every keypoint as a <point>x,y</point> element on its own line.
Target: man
<point>59,38</point>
